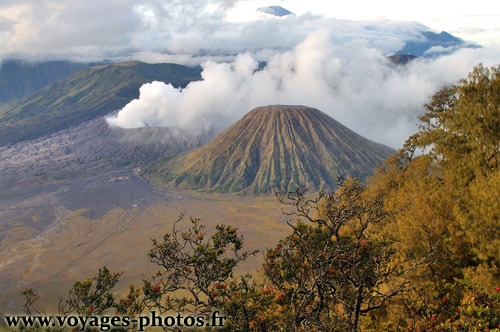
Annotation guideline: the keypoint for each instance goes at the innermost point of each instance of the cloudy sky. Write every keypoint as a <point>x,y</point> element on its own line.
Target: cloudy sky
<point>148,28</point>
<point>478,21</point>
<point>330,55</point>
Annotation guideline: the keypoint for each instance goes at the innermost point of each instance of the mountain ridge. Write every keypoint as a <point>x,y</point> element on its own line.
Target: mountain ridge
<point>86,95</point>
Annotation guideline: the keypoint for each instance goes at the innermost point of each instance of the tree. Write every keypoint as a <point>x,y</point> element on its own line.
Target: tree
<point>337,268</point>
<point>460,306</point>
<point>445,199</point>
<point>421,209</point>
<point>92,296</point>
<point>462,127</point>
<point>459,136</point>
<point>131,306</point>
<point>194,268</point>
<point>30,298</point>
<point>250,305</point>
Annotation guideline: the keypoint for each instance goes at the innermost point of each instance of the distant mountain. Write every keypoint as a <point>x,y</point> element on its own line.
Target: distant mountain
<point>274,147</point>
<point>275,10</point>
<point>86,95</point>
<point>18,79</point>
<point>444,41</point>
<point>401,59</point>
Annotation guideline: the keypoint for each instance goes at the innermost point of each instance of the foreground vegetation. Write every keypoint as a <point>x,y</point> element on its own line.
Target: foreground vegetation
<point>415,249</point>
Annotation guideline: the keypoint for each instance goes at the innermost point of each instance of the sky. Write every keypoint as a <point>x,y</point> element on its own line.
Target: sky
<point>148,29</point>
<point>329,55</point>
<point>477,21</point>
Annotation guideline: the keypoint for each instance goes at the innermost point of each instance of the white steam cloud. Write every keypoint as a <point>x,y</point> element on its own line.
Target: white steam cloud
<point>350,80</point>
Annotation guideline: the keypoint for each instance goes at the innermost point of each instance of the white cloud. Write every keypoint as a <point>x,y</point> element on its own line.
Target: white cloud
<point>117,29</point>
<point>348,79</point>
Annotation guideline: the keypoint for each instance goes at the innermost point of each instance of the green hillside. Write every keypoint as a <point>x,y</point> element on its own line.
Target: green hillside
<point>88,94</point>
<point>274,147</point>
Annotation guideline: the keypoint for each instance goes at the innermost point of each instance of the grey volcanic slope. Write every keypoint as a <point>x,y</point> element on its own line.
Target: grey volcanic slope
<point>273,148</point>
<point>84,167</point>
<point>88,149</point>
